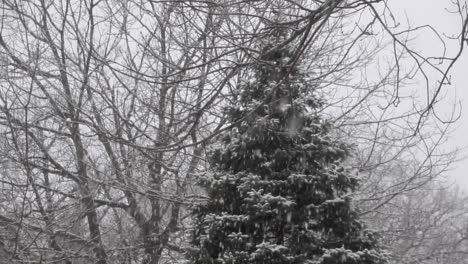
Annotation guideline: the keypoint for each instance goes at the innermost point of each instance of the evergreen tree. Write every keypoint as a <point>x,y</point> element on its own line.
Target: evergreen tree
<point>280,193</point>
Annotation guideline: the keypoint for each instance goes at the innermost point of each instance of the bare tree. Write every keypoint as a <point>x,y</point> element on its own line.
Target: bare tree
<point>428,225</point>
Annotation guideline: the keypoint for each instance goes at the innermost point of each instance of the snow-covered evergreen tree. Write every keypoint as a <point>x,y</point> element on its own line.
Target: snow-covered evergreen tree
<point>279,193</point>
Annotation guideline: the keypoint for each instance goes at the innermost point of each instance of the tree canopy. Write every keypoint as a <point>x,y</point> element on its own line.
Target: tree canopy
<point>279,192</point>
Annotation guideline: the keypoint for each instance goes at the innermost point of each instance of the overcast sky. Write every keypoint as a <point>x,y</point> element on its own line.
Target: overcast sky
<point>433,12</point>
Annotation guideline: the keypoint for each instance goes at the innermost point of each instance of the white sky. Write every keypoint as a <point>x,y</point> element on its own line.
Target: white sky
<point>434,12</point>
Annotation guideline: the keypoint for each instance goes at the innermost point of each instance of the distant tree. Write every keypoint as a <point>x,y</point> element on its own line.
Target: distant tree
<point>279,193</point>
<point>425,226</point>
